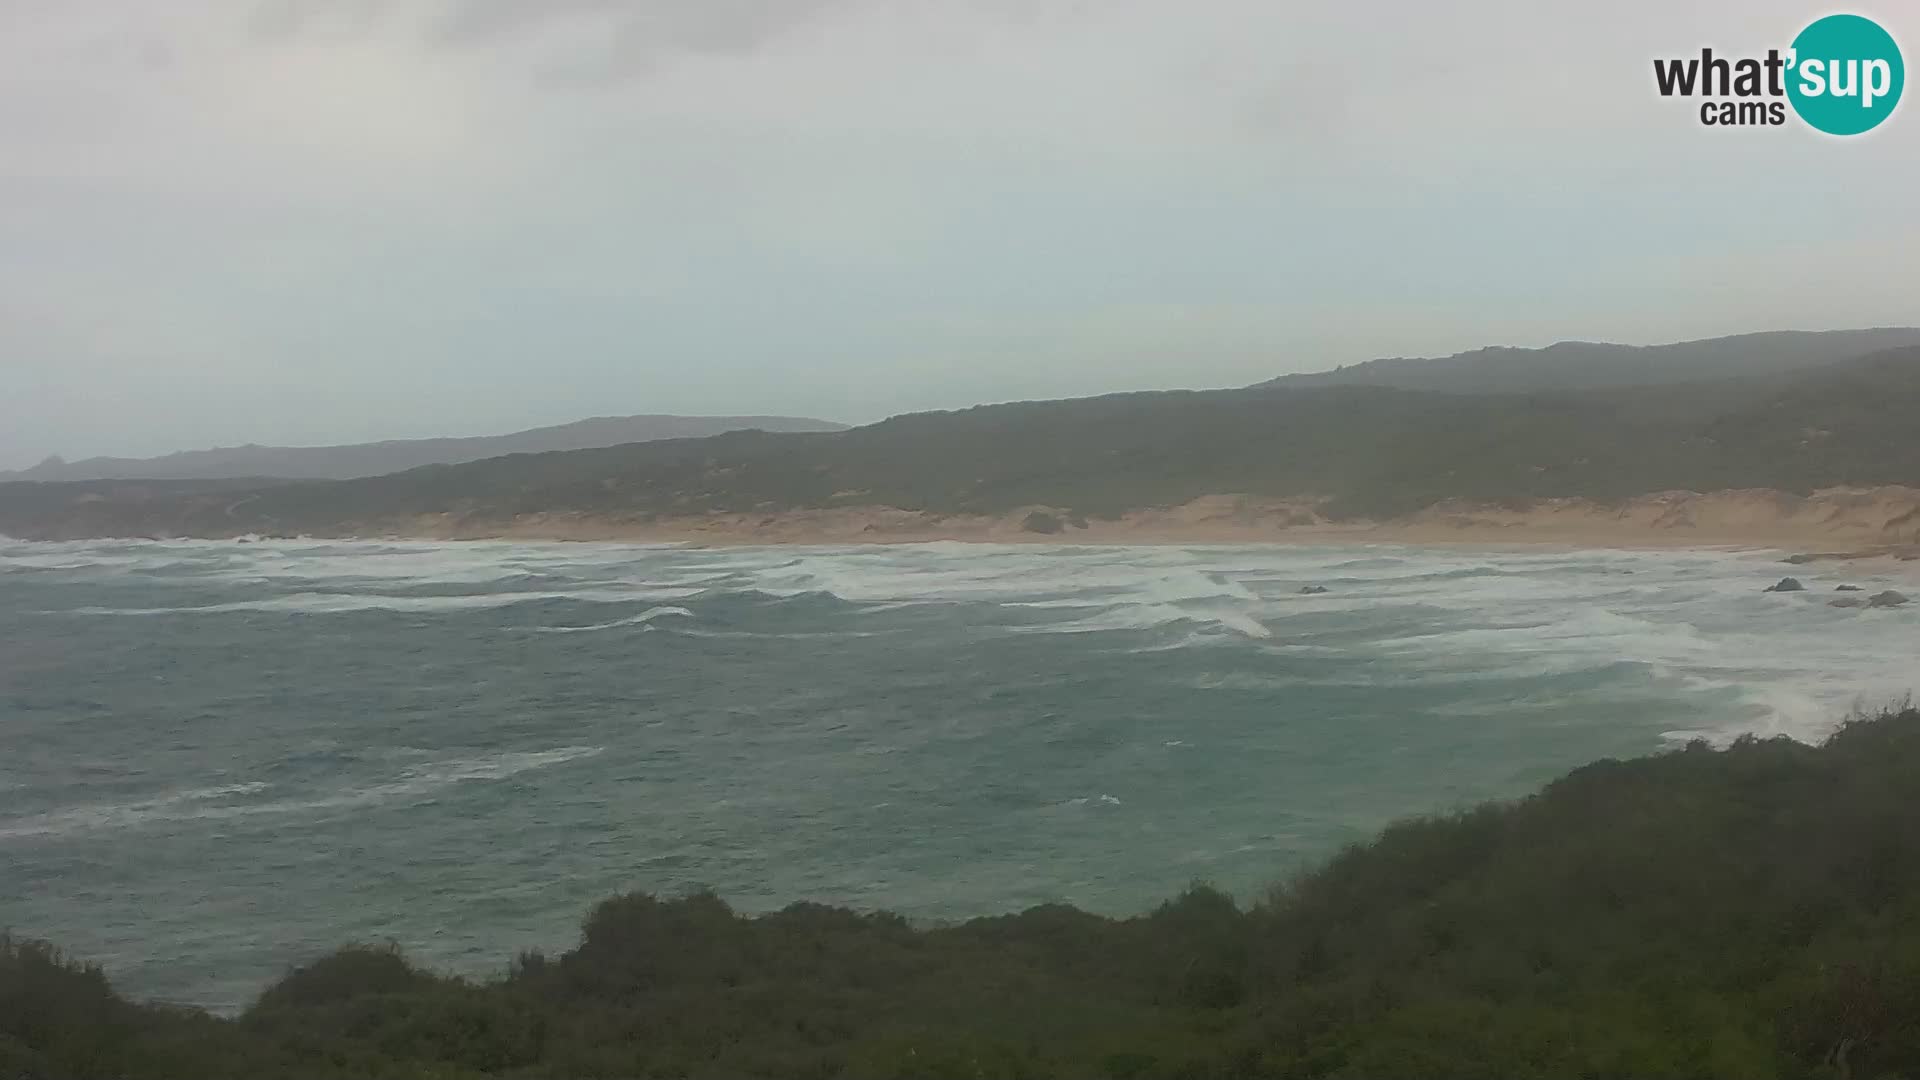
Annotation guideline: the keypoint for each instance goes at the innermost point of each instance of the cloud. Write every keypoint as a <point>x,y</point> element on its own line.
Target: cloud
<point>604,41</point>
<point>474,21</point>
<point>317,220</point>
<point>274,21</point>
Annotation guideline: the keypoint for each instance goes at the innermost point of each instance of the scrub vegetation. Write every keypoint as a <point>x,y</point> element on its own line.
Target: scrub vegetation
<point>1360,451</point>
<point>1749,912</point>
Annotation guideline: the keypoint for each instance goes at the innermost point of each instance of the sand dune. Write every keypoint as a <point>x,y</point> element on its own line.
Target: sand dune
<point>1851,520</point>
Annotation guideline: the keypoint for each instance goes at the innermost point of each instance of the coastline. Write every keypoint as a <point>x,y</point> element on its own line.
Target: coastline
<point>1879,523</point>
<point>1830,524</point>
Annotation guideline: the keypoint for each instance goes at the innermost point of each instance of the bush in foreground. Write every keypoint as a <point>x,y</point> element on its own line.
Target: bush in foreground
<point>1751,913</point>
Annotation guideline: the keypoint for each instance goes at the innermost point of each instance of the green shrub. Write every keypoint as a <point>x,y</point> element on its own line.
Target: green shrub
<point>347,973</point>
<point>1750,913</point>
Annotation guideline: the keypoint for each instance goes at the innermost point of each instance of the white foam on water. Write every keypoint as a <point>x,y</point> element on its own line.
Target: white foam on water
<point>1774,711</point>
<point>195,804</point>
<point>1149,617</point>
<point>1245,680</point>
<point>641,619</point>
<point>310,603</point>
<point>782,635</point>
<point>1481,614</point>
<point>1588,629</point>
<point>400,562</point>
<point>1197,639</point>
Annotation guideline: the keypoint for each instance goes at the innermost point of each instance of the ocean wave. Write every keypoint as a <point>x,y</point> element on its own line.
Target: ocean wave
<point>1374,562</point>
<point>1093,800</point>
<point>214,803</point>
<point>319,603</point>
<point>397,564</point>
<point>641,619</point>
<point>1246,680</point>
<point>1586,629</point>
<point>1014,575</point>
<point>80,563</point>
<point>1149,617</point>
<point>778,635</point>
<point>1193,639</point>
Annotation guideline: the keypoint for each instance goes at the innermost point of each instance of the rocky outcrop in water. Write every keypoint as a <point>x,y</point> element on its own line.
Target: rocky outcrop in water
<point>1889,598</point>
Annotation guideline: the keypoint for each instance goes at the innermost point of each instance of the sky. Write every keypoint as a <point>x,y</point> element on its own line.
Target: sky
<point>320,221</point>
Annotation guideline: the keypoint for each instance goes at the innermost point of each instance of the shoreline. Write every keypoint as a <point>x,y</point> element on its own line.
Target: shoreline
<point>1837,524</point>
<point>1833,524</point>
<point>1902,561</point>
<point>696,537</point>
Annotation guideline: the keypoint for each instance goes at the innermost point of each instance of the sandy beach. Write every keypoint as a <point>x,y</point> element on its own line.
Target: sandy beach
<point>1834,523</point>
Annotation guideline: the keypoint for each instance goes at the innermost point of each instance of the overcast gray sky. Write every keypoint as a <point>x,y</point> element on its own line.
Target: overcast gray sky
<point>304,221</point>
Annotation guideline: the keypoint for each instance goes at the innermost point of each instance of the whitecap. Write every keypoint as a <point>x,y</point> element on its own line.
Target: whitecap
<point>197,804</point>
<point>644,617</point>
<point>315,603</point>
<point>1148,617</point>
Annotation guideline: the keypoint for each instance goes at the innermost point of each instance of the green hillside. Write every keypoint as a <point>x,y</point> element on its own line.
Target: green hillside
<point>1747,913</point>
<point>1370,451</point>
<point>1589,365</point>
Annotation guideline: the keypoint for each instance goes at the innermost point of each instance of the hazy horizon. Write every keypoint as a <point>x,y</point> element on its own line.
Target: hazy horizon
<point>437,435</point>
<point>299,223</point>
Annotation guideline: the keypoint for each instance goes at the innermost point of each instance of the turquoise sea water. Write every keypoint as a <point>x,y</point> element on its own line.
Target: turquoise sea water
<point>219,758</point>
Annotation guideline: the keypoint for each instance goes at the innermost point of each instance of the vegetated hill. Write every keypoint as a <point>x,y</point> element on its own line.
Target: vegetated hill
<point>1587,365</point>
<point>1370,451</point>
<point>1746,913</point>
<point>26,506</point>
<point>373,459</point>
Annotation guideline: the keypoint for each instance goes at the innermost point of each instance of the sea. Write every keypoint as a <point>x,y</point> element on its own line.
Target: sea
<point>220,759</point>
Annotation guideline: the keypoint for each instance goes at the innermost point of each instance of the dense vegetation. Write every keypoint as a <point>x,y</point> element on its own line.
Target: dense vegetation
<point>1369,451</point>
<point>1749,913</point>
<point>1589,365</point>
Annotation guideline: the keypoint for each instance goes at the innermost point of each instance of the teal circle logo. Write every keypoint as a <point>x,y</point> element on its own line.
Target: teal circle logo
<point>1845,75</point>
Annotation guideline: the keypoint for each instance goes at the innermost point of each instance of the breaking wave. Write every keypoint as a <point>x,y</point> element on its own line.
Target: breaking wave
<point>641,619</point>
<point>238,800</point>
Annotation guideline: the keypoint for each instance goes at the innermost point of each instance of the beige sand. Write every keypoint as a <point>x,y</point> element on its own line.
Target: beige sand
<point>1882,521</point>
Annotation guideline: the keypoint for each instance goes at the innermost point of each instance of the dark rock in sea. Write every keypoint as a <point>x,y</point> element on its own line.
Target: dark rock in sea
<point>1846,588</point>
<point>1312,590</point>
<point>1806,557</point>
<point>1889,598</point>
<point>1785,584</point>
<point>1847,601</point>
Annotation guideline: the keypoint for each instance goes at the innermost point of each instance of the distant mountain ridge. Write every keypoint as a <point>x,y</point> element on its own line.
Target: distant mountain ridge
<point>1349,452</point>
<point>1356,451</point>
<point>1588,365</point>
<point>351,461</point>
